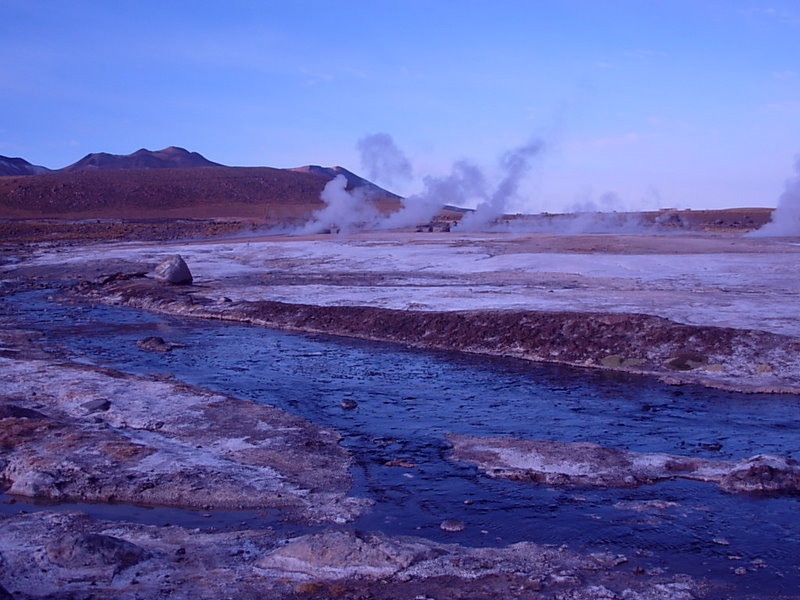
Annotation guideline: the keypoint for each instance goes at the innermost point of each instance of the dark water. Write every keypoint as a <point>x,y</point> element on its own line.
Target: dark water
<point>407,401</point>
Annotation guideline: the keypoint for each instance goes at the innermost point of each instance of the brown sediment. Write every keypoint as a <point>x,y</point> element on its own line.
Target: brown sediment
<point>720,357</point>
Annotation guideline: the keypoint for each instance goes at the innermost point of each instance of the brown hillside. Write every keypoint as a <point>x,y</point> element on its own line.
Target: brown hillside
<point>261,193</point>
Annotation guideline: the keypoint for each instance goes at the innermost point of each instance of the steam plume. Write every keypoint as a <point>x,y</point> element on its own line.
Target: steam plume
<point>786,217</point>
<point>464,182</point>
<point>345,210</point>
<point>514,166</point>
<point>383,160</point>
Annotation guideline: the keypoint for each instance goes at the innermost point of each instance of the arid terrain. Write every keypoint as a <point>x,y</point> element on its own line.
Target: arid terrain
<point>692,303</point>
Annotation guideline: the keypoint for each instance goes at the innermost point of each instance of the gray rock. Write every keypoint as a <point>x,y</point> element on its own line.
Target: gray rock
<point>340,554</point>
<point>763,473</point>
<point>452,525</point>
<point>98,405</point>
<point>174,270</point>
<point>34,483</point>
<point>154,344</point>
<point>12,411</point>
<point>93,550</point>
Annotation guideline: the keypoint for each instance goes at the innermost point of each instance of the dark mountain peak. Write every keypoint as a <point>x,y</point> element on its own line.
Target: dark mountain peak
<point>171,157</point>
<point>353,180</point>
<point>19,166</point>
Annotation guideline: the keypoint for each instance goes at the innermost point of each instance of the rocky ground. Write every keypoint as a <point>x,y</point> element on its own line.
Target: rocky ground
<point>715,310</point>
<point>584,463</point>
<point>67,555</point>
<point>80,433</point>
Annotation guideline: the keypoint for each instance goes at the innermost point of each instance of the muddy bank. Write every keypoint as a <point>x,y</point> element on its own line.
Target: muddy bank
<point>69,555</point>
<point>71,432</point>
<point>588,464</point>
<point>720,357</point>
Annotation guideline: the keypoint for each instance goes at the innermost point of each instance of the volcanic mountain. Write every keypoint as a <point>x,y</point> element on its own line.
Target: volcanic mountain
<point>172,157</point>
<point>174,183</point>
<point>19,166</point>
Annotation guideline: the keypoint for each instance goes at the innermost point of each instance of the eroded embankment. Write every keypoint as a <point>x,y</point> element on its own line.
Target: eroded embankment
<point>67,555</point>
<point>71,432</point>
<point>721,357</point>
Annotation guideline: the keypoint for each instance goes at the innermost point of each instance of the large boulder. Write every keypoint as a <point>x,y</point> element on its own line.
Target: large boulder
<point>174,270</point>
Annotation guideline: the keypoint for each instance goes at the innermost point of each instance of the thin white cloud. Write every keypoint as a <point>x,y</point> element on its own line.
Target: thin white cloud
<point>784,74</point>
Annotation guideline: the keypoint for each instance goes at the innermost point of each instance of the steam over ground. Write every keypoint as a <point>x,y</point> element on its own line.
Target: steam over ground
<point>348,210</point>
<point>786,218</point>
<point>493,197</point>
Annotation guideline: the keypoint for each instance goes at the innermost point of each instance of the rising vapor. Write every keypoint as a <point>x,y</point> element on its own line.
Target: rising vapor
<point>345,210</point>
<point>464,183</point>
<point>382,160</point>
<point>349,210</point>
<point>514,166</point>
<point>786,217</point>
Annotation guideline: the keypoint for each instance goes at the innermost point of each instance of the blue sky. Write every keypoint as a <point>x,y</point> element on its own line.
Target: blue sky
<point>640,104</point>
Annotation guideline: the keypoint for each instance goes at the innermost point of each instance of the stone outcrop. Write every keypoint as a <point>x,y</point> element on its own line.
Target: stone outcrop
<point>174,270</point>
<point>75,433</point>
<point>588,464</point>
<point>128,561</point>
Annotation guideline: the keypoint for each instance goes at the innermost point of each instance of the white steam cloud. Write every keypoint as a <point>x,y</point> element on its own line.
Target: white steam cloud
<point>466,184</point>
<point>382,160</point>
<point>345,210</point>
<point>514,166</point>
<point>786,217</point>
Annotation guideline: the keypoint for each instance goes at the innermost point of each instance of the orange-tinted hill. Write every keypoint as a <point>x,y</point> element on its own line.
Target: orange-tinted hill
<point>261,193</point>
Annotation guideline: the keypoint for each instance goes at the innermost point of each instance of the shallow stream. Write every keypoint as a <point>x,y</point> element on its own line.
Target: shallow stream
<point>408,399</point>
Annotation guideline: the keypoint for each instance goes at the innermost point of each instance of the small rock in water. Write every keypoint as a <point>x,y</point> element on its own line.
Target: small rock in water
<point>452,525</point>
<point>721,541</point>
<point>174,270</point>
<point>154,344</point>
<point>348,404</point>
<point>399,462</point>
<point>714,446</point>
